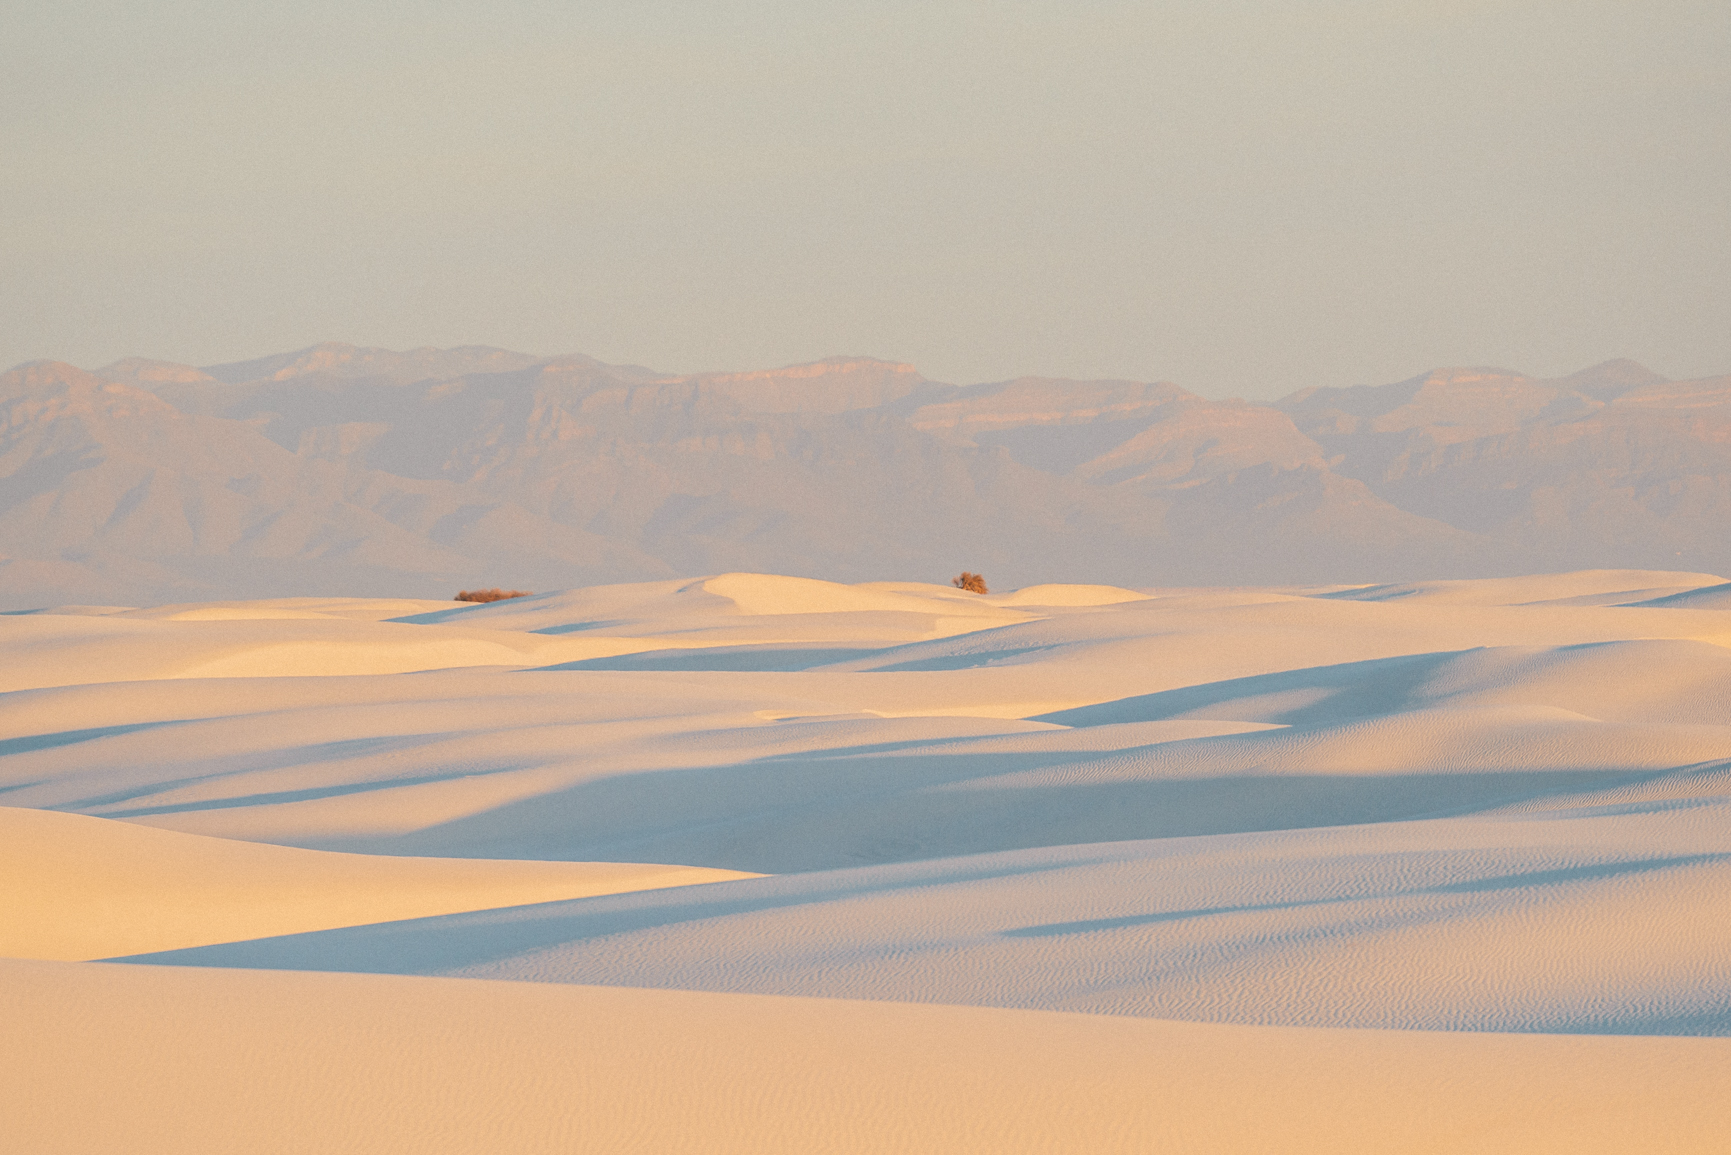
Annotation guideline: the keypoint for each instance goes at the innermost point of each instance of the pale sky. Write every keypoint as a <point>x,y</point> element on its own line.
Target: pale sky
<point>1243,197</point>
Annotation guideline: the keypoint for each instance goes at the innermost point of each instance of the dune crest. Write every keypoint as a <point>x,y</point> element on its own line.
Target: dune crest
<point>366,1064</point>
<point>89,888</point>
<point>770,594</point>
<point>1069,595</point>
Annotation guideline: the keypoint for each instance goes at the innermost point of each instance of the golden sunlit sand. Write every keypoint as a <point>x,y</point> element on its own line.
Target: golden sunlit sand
<point>757,863</point>
<point>86,888</point>
<point>268,1062</point>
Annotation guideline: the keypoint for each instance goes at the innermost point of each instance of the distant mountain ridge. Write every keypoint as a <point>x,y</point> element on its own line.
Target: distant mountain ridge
<point>339,469</point>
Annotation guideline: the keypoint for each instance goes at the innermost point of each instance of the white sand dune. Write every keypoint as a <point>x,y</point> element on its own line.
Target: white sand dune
<point>675,768</point>
<point>1715,597</point>
<point>742,608</point>
<point>1285,816</point>
<point>369,758</point>
<point>1601,915</point>
<point>85,888</point>
<point>196,1062</point>
<point>357,609</point>
<point>351,636</point>
<point>1068,595</point>
<point>1629,681</point>
<point>39,650</point>
<point>1534,589</point>
<point>770,595</point>
<point>354,609</point>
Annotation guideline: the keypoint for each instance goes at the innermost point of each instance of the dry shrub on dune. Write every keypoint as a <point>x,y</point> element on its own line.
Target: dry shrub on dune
<point>492,595</point>
<point>972,582</point>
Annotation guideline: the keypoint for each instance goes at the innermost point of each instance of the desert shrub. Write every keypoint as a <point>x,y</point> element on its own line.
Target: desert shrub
<point>492,595</point>
<point>972,582</point>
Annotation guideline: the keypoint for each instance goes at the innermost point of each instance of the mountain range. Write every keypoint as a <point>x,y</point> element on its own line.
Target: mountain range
<point>344,470</point>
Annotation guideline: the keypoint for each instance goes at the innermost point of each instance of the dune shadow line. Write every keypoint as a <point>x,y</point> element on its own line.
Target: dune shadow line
<point>71,737</point>
<point>1595,873</point>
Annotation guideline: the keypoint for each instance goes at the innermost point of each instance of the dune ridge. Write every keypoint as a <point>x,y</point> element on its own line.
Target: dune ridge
<point>462,1066</point>
<point>90,888</point>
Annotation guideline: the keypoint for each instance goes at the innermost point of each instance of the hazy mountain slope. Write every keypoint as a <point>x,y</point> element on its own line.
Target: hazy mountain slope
<point>336,360</point>
<point>798,469</point>
<point>93,465</point>
<point>1237,485</point>
<point>1613,464</point>
<point>338,469</point>
<point>741,472</point>
<point>547,476</point>
<point>1047,423</point>
<point>1152,436</point>
<point>116,495</point>
<point>1197,440</point>
<point>1312,525</point>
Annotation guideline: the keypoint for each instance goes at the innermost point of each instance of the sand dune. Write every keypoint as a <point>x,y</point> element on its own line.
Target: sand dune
<point>1263,864</point>
<point>708,781</point>
<point>865,760</point>
<point>1588,917</point>
<point>192,1062</point>
<point>1068,595</point>
<point>769,594</point>
<point>84,888</point>
<point>1634,681</point>
<point>1714,597</point>
<point>355,609</point>
<point>1535,589</point>
<point>741,608</point>
<point>39,650</point>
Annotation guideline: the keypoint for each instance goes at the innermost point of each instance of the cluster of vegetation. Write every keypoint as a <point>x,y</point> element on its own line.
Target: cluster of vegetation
<point>493,595</point>
<point>972,582</point>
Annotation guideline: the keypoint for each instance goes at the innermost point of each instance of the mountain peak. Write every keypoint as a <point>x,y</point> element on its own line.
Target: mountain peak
<point>53,389</point>
<point>147,373</point>
<point>335,359</point>
<point>828,366</point>
<point>1610,379</point>
<point>833,385</point>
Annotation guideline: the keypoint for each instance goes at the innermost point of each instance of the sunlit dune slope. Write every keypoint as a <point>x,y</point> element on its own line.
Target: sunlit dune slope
<point>355,609</point>
<point>82,888</point>
<point>1716,597</point>
<point>1614,586</point>
<point>193,1062</point>
<point>40,650</point>
<point>1594,912</point>
<point>335,636</point>
<point>321,760</point>
<point>1210,712</point>
<point>745,608</point>
<point>1623,681</point>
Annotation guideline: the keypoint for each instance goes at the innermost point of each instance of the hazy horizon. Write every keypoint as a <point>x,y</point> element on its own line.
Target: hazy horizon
<point>853,355</point>
<point>1244,199</point>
